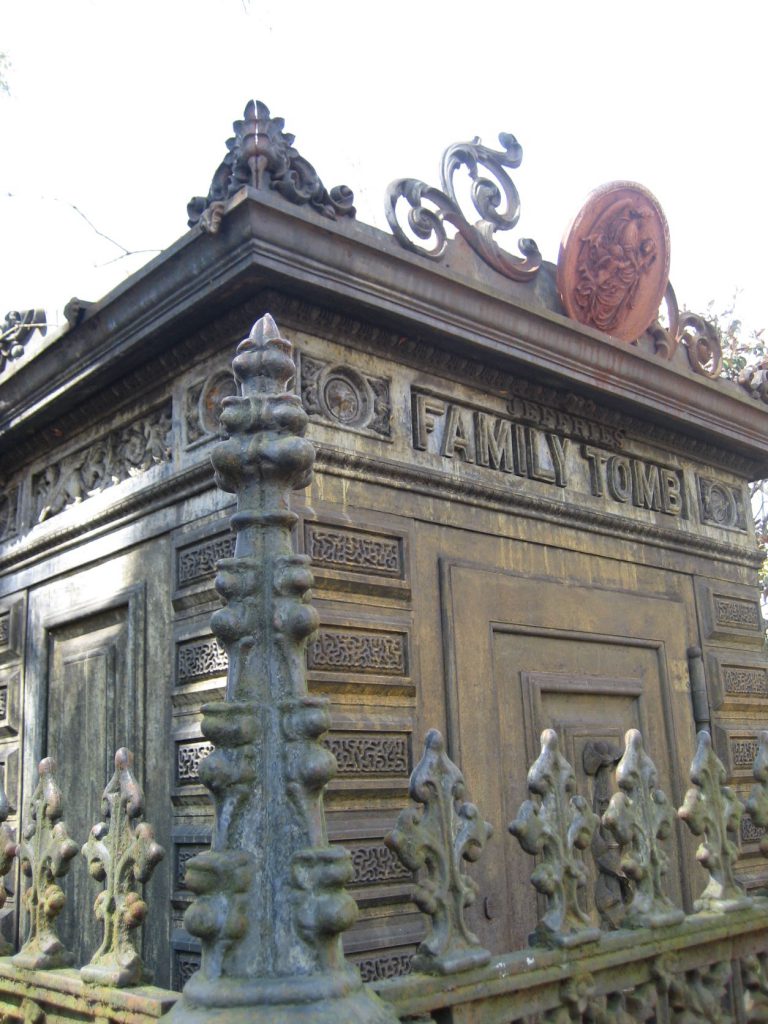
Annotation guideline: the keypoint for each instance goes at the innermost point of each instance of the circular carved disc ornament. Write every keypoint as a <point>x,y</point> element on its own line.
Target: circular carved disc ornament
<point>613,266</point>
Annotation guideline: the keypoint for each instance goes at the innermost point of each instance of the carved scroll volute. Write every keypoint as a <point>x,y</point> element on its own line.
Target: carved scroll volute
<point>121,852</point>
<point>712,810</point>
<point>270,901</point>
<point>8,851</point>
<point>554,825</point>
<point>45,853</point>
<point>495,199</point>
<point>757,804</point>
<point>640,816</point>
<point>436,839</point>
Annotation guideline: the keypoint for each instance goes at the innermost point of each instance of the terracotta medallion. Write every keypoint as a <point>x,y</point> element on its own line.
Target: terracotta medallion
<point>613,266</point>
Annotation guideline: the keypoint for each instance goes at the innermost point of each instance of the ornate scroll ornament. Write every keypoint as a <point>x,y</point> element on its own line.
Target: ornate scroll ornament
<point>640,816</point>
<point>554,825</point>
<point>271,903</point>
<point>702,343</point>
<point>436,839</point>
<point>121,851</point>
<point>45,853</point>
<point>261,155</point>
<point>713,810</point>
<point>16,332</point>
<point>8,851</point>
<point>495,199</point>
<point>757,804</point>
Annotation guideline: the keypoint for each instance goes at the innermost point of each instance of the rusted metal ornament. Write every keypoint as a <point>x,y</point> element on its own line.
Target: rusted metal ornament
<point>613,266</point>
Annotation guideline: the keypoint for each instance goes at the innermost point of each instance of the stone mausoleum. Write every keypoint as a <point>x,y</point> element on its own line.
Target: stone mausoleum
<point>530,509</point>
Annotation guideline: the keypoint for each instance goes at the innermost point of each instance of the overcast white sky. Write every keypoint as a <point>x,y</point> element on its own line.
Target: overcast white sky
<point>122,109</point>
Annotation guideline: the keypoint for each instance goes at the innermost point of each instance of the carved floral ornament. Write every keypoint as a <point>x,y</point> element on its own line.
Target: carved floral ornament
<point>613,268</point>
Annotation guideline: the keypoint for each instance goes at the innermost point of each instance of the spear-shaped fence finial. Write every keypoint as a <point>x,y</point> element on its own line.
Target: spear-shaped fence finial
<point>121,851</point>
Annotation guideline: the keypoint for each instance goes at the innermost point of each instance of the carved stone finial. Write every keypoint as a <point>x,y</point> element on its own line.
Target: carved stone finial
<point>640,816</point>
<point>270,899</point>
<point>554,825</point>
<point>122,852</point>
<point>8,851</point>
<point>754,379</point>
<point>713,810</point>
<point>261,155</point>
<point>16,332</point>
<point>757,804</point>
<point>436,839</point>
<point>499,208</point>
<point>45,853</point>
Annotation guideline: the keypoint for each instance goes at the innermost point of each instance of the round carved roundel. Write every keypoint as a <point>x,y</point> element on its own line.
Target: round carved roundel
<point>613,266</point>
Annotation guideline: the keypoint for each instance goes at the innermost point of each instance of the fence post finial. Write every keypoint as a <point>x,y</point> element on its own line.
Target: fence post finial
<point>640,816</point>
<point>122,852</point>
<point>556,823</point>
<point>436,839</point>
<point>45,853</point>
<point>270,899</point>
<point>712,810</point>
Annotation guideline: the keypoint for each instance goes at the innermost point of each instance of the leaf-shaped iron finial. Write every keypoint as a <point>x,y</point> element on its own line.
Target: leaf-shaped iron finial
<point>555,824</point>
<point>436,839</point>
<point>45,853</point>
<point>121,852</point>
<point>711,809</point>
<point>640,816</point>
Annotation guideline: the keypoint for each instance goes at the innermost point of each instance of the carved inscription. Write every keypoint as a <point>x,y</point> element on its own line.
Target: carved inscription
<point>380,653</point>
<point>743,752</point>
<point>377,968</point>
<point>721,505</point>
<point>342,395</point>
<point>185,966</point>
<point>374,864</point>
<point>197,563</point>
<point>745,682</point>
<point>363,754</point>
<point>635,482</point>
<point>188,758</point>
<point>353,550</point>
<point>741,614</point>
<point>200,659</point>
<point>121,454</point>
<point>3,703</point>
<point>5,629</point>
<point>184,853</point>
<point>544,452</point>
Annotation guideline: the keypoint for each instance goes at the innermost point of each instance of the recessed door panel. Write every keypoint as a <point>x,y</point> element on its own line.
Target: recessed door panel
<point>590,663</point>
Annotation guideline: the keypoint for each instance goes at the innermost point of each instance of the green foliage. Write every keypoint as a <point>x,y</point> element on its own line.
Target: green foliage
<point>740,351</point>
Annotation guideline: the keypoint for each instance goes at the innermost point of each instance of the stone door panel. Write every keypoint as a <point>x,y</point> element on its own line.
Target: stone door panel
<point>588,662</point>
<point>89,658</point>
